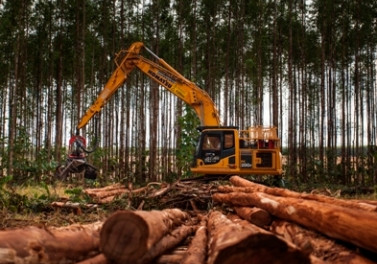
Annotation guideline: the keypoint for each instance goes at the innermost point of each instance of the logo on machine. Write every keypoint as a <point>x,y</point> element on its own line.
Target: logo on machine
<point>162,78</point>
<point>211,158</point>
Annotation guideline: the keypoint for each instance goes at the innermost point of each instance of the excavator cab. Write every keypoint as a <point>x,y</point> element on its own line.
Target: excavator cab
<point>215,145</point>
<point>229,151</point>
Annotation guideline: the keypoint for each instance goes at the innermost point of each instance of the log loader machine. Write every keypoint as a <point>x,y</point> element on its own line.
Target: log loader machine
<point>221,150</point>
<point>76,161</point>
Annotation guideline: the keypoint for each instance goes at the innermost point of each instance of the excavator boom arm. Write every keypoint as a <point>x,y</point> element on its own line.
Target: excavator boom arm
<point>162,73</point>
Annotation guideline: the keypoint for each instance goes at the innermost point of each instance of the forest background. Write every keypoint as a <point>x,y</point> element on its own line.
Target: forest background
<point>307,67</point>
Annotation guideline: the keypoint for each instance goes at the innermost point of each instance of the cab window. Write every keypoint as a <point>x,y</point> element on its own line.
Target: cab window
<point>228,140</point>
<point>211,142</point>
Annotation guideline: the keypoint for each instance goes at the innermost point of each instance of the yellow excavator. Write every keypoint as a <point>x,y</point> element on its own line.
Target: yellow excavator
<point>221,150</point>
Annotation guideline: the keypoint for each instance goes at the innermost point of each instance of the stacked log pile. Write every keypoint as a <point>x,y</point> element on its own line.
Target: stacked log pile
<point>315,223</point>
<point>241,222</point>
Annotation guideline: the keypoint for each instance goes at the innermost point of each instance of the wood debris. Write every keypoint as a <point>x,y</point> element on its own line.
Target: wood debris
<point>240,222</point>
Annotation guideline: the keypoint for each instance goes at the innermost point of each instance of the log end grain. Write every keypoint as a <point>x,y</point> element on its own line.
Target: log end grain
<point>123,237</point>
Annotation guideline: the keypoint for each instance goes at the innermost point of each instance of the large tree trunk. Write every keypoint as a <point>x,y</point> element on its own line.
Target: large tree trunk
<point>241,242</point>
<point>127,236</point>
<point>316,244</point>
<point>355,226</point>
<point>49,245</point>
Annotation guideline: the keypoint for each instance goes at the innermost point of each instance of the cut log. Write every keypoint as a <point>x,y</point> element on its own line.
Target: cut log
<point>243,242</point>
<point>106,195</point>
<point>371,202</point>
<point>254,215</point>
<point>168,242</point>
<point>49,245</point>
<point>104,189</point>
<point>197,250</point>
<point>355,226</point>
<point>316,244</point>
<point>173,257</point>
<point>253,187</point>
<point>109,193</point>
<point>170,259</point>
<point>126,236</point>
<point>98,259</point>
<point>75,207</point>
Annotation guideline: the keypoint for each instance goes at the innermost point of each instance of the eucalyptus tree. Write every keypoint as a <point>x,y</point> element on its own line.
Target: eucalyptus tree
<point>15,18</point>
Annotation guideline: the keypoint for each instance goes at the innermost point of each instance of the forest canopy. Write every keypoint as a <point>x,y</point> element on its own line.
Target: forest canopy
<point>307,67</point>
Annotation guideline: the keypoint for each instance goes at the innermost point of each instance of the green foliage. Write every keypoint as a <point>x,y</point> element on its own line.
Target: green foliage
<point>25,168</point>
<point>21,161</point>
<point>12,201</point>
<point>76,194</point>
<point>186,146</point>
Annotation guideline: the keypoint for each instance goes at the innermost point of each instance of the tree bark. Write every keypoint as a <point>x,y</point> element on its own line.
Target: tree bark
<point>98,259</point>
<point>126,236</point>
<point>170,259</point>
<point>253,187</point>
<point>316,244</point>
<point>49,245</point>
<point>242,242</point>
<point>197,250</point>
<point>355,226</point>
<point>169,241</point>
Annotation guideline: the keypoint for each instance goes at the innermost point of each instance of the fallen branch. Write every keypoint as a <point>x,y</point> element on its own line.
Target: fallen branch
<point>161,191</point>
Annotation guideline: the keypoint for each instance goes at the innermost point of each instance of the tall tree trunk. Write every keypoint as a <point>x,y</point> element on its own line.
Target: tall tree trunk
<point>80,57</point>
<point>275,73</point>
<point>13,112</point>
<point>15,100</point>
<point>292,98</point>
<point>357,96</point>
<point>322,92</point>
<point>59,103</point>
<point>154,113</point>
<point>180,68</point>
